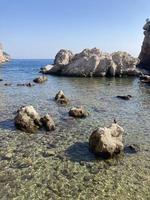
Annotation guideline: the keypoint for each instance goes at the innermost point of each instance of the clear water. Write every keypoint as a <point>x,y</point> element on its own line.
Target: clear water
<point>70,171</point>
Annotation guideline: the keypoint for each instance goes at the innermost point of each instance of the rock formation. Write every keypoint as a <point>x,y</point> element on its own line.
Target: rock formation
<point>107,142</point>
<point>4,57</point>
<point>145,50</point>
<point>93,62</point>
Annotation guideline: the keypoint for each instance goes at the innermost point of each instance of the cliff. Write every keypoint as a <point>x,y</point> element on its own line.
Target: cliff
<point>4,57</point>
<point>145,50</point>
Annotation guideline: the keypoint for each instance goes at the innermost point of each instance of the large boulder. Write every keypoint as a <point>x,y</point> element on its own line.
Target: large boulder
<point>107,142</point>
<point>93,62</point>
<point>145,50</point>
<point>27,119</point>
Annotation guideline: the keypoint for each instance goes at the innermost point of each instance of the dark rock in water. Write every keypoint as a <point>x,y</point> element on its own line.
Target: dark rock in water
<point>7,84</point>
<point>1,79</point>
<point>40,79</point>
<point>127,97</point>
<point>145,79</point>
<point>145,50</point>
<point>78,112</point>
<point>131,149</point>
<point>48,122</point>
<point>27,119</point>
<point>25,84</point>
<point>61,98</point>
<point>107,142</point>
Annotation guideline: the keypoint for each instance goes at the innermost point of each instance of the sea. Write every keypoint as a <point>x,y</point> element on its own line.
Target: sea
<point>58,164</point>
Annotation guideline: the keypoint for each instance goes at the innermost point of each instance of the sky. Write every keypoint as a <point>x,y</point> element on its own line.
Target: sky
<point>40,28</point>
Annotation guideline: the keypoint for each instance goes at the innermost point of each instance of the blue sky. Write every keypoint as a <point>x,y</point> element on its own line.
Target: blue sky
<point>39,28</point>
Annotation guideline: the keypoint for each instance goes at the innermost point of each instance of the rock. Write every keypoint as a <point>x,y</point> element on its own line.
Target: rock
<point>145,49</point>
<point>127,97</point>
<point>93,62</point>
<point>48,122</point>
<point>40,79</point>
<point>4,57</point>
<point>7,84</point>
<point>78,112</point>
<point>25,84</point>
<point>8,156</point>
<point>1,79</point>
<point>48,153</point>
<point>46,69</point>
<point>27,119</point>
<point>145,79</point>
<point>61,98</point>
<point>132,148</point>
<point>107,142</point>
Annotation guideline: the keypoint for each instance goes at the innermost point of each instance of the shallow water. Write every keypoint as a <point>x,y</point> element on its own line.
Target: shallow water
<point>68,170</point>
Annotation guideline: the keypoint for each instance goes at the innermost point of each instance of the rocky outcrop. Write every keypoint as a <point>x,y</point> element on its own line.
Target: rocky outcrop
<point>29,120</point>
<point>145,50</point>
<point>4,57</point>
<point>93,62</point>
<point>107,142</point>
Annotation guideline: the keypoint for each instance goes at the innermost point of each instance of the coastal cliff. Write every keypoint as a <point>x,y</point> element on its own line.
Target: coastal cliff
<point>92,63</point>
<point>145,50</point>
<point>4,57</point>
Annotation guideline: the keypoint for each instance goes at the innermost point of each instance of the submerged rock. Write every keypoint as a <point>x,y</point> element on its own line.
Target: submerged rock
<point>25,84</point>
<point>93,62</point>
<point>40,79</point>
<point>61,98</point>
<point>48,122</point>
<point>132,149</point>
<point>127,97</point>
<point>27,119</point>
<point>106,142</point>
<point>78,112</point>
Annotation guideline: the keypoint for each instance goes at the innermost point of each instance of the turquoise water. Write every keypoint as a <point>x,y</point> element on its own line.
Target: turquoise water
<point>69,170</point>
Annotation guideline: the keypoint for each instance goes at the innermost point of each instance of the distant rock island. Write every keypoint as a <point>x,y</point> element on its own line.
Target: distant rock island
<point>4,57</point>
<point>145,50</point>
<point>92,63</point>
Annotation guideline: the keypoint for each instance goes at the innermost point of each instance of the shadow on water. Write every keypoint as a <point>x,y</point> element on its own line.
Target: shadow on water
<point>79,152</point>
<point>7,124</point>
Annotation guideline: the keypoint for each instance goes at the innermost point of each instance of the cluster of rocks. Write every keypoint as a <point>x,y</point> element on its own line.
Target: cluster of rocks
<point>105,142</point>
<point>93,62</point>
<point>4,57</point>
<point>29,120</point>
